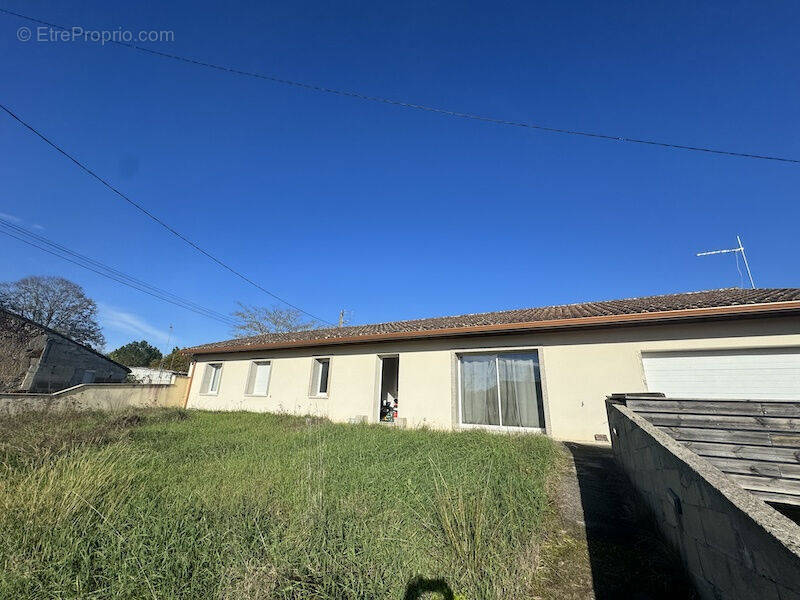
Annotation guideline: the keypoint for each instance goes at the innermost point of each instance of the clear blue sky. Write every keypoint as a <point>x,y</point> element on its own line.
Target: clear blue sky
<point>395,214</point>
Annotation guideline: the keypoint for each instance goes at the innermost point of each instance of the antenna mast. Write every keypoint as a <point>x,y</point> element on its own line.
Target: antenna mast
<point>739,249</point>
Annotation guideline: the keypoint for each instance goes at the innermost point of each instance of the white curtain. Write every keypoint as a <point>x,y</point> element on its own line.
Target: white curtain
<point>519,393</point>
<point>479,390</point>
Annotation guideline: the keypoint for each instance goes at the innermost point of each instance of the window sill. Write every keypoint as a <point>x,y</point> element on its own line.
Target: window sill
<point>209,393</point>
<point>318,396</point>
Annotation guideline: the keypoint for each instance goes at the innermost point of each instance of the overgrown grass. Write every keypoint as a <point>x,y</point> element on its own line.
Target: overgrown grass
<point>168,504</point>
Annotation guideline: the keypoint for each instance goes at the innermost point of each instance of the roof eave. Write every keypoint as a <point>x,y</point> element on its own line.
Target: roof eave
<point>762,309</point>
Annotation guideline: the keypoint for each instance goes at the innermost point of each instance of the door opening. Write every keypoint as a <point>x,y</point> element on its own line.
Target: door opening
<point>388,400</point>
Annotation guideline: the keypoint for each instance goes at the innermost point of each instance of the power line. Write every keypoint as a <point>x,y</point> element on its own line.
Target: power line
<point>112,271</point>
<point>142,209</point>
<point>55,249</point>
<point>415,106</point>
<point>23,240</point>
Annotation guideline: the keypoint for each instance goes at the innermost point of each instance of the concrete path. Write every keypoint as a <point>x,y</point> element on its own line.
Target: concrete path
<point>627,557</point>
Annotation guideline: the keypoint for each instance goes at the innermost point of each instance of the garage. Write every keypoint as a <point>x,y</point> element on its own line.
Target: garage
<point>762,373</point>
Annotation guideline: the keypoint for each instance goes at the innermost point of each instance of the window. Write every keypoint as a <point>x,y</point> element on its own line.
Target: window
<point>211,378</point>
<point>258,379</point>
<point>503,390</point>
<point>319,376</point>
<point>88,376</point>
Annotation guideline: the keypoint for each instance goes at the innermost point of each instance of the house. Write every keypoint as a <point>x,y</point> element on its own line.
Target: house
<point>540,369</point>
<point>34,358</point>
<point>149,375</point>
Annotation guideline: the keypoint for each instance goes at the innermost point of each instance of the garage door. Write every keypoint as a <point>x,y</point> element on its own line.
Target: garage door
<point>750,374</point>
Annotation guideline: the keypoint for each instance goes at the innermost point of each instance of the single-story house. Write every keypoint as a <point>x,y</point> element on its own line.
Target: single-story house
<point>538,369</point>
<point>35,358</point>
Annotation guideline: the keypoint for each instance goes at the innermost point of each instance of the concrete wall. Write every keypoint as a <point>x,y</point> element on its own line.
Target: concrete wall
<point>579,369</point>
<point>733,545</point>
<point>63,364</point>
<point>100,396</point>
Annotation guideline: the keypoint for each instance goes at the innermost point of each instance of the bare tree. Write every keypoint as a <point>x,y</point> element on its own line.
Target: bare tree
<point>258,320</point>
<point>56,303</point>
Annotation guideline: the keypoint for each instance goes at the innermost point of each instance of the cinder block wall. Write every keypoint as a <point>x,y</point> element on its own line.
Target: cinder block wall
<point>64,362</point>
<point>733,545</point>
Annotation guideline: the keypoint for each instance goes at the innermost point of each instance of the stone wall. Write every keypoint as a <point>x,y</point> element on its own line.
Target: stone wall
<point>734,545</point>
<point>21,347</point>
<point>100,396</point>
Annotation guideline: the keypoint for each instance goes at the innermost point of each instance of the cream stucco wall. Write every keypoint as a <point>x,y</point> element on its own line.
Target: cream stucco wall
<point>101,396</point>
<point>579,369</point>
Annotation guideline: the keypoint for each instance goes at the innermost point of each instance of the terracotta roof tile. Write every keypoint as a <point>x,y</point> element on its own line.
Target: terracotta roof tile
<point>608,308</point>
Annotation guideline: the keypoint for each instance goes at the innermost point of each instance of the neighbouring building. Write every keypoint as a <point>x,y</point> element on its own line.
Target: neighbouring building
<point>34,358</point>
<point>150,375</point>
<point>539,369</point>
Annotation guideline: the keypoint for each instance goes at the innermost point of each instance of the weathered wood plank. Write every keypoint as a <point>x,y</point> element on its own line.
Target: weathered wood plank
<point>717,407</point>
<point>768,484</point>
<point>762,453</point>
<point>755,467</point>
<point>751,438</point>
<point>785,439</point>
<point>630,397</point>
<point>739,423</point>
<point>776,497</point>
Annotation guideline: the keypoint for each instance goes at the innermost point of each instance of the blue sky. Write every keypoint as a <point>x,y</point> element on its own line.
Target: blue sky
<point>393,214</point>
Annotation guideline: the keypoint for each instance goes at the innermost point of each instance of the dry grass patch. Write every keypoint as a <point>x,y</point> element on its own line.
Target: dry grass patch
<point>238,505</point>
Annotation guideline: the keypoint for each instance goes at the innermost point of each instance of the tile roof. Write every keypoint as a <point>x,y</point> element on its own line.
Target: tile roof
<point>594,312</point>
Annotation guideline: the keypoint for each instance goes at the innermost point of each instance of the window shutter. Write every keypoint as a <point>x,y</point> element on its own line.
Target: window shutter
<point>261,378</point>
<point>251,378</point>
<point>206,379</point>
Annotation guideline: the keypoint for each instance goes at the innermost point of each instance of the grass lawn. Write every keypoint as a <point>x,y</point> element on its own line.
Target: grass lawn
<point>174,504</point>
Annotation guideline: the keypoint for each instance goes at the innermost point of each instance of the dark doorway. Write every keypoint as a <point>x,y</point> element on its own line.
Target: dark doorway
<point>388,399</point>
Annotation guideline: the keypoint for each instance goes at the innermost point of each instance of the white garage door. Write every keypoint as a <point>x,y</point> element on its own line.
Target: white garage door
<point>731,374</point>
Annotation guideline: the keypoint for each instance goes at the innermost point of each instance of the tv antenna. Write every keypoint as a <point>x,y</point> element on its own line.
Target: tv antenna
<point>734,250</point>
<point>344,317</point>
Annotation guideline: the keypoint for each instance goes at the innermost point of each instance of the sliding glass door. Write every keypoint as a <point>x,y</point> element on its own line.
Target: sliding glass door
<point>502,390</point>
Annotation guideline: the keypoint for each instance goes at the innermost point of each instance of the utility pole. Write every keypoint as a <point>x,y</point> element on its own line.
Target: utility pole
<point>341,318</point>
<point>161,362</point>
<point>740,249</point>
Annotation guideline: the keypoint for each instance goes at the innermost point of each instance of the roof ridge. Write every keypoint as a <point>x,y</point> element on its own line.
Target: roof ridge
<point>720,298</point>
<point>508,310</point>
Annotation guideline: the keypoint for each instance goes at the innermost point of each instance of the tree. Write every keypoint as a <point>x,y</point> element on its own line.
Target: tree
<point>56,303</point>
<point>177,360</point>
<point>258,320</point>
<point>136,354</point>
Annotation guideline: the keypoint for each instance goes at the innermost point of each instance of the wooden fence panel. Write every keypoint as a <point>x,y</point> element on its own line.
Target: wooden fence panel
<point>757,443</point>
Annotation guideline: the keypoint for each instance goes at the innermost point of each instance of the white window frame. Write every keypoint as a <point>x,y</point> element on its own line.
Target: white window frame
<point>501,428</point>
<point>316,377</point>
<point>211,391</point>
<point>252,372</point>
